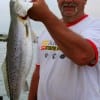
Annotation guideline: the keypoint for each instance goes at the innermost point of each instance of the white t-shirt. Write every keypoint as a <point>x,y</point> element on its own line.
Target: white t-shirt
<point>62,79</point>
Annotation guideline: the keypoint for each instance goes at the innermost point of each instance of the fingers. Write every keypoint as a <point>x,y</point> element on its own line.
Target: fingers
<point>39,10</point>
<point>34,0</point>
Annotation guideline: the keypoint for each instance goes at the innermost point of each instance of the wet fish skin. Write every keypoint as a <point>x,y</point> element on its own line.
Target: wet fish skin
<point>19,53</point>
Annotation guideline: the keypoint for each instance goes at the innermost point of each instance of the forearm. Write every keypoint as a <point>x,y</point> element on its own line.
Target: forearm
<point>34,85</point>
<point>73,45</point>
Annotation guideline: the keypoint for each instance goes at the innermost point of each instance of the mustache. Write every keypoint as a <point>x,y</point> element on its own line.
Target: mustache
<point>69,4</point>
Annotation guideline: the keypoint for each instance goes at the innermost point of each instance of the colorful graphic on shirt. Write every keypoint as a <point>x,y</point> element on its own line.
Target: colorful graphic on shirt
<point>49,45</point>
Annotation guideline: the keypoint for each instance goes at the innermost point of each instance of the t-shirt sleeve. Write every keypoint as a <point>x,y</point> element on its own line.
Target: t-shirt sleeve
<point>93,37</point>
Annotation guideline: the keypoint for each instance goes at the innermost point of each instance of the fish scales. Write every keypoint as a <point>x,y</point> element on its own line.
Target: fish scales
<point>19,53</point>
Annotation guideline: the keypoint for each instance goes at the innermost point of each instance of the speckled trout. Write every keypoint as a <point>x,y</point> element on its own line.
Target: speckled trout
<point>19,53</point>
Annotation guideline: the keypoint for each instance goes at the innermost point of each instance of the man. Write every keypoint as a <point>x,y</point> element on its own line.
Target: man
<point>68,65</point>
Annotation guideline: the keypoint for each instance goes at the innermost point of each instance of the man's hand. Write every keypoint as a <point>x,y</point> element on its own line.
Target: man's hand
<point>39,11</point>
<point>22,6</point>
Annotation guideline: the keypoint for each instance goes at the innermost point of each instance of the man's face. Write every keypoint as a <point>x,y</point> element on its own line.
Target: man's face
<point>70,8</point>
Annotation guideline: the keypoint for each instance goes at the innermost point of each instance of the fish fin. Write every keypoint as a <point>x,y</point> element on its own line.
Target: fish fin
<point>26,87</point>
<point>4,72</point>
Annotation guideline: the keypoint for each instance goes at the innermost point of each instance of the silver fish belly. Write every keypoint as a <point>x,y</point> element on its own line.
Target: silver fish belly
<point>19,53</point>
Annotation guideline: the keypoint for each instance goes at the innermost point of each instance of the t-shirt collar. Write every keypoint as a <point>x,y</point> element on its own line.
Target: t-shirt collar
<point>76,21</point>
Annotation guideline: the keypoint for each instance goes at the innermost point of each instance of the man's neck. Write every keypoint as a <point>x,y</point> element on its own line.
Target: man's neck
<point>71,19</point>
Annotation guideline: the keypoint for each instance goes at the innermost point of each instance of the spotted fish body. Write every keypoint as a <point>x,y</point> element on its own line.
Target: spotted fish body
<point>19,53</point>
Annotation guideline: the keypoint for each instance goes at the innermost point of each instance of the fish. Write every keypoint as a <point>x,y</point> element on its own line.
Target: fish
<point>19,54</point>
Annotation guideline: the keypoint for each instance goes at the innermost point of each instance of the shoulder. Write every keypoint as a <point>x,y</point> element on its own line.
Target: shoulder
<point>94,21</point>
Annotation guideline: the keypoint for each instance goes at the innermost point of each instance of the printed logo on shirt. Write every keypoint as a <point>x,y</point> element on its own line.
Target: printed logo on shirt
<point>49,45</point>
<point>62,56</point>
<point>54,55</point>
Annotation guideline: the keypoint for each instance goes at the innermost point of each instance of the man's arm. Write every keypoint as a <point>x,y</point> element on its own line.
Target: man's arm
<point>34,85</point>
<point>75,47</point>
